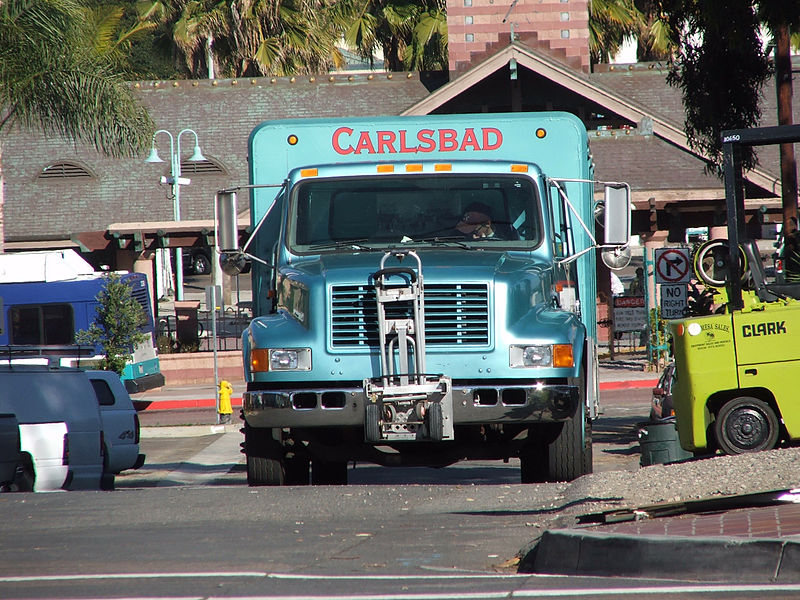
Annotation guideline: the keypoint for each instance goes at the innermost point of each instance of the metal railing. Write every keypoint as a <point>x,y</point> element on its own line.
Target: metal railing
<point>229,327</point>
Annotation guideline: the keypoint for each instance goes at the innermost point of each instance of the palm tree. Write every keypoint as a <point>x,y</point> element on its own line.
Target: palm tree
<point>412,35</point>
<point>54,81</point>
<point>610,23</point>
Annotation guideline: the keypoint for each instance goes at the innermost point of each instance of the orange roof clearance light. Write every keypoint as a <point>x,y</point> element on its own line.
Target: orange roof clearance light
<point>519,168</point>
<point>385,168</point>
<point>414,168</point>
<point>541,132</point>
<point>292,140</point>
<point>443,167</point>
<point>309,172</point>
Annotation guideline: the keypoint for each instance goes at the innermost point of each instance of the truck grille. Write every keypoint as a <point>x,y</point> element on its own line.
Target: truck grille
<point>455,314</point>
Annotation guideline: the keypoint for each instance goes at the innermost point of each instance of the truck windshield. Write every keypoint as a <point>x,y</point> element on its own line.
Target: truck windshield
<point>368,212</point>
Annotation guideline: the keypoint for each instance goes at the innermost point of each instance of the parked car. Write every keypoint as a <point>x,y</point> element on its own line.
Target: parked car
<point>120,425</point>
<point>661,405</point>
<point>196,260</point>
<point>60,427</point>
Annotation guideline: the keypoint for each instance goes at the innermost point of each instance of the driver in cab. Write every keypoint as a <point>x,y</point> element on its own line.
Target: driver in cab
<point>476,222</point>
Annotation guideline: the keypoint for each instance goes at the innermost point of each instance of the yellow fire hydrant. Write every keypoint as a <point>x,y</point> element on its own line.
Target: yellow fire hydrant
<point>225,410</point>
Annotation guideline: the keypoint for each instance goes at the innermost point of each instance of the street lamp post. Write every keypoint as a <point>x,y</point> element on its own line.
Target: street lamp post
<point>176,181</point>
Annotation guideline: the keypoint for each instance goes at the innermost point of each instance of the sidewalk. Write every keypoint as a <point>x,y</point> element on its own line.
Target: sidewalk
<point>749,538</point>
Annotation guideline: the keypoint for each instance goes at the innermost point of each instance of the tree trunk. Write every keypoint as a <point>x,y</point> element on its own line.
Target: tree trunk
<point>783,80</point>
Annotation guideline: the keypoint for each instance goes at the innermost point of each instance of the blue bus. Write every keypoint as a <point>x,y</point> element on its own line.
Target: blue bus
<point>40,316</point>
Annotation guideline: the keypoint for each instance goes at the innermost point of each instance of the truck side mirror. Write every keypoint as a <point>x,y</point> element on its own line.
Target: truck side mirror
<point>617,214</point>
<point>232,260</point>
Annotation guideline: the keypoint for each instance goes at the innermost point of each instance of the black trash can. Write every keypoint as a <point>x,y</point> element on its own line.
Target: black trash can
<point>659,443</point>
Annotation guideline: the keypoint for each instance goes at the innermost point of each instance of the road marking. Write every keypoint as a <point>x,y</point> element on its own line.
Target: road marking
<point>98,576</point>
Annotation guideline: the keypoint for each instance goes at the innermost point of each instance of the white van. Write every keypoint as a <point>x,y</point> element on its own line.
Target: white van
<point>60,427</point>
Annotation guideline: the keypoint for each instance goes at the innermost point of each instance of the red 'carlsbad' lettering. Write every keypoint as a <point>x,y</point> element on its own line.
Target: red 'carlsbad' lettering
<point>346,140</point>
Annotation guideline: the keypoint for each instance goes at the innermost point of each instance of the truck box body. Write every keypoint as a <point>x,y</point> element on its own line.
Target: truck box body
<point>379,322</point>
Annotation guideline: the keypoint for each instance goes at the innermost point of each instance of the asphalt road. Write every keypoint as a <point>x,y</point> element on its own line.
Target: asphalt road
<point>187,526</point>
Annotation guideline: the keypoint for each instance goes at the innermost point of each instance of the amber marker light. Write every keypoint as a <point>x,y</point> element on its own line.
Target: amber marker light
<point>292,139</point>
<point>443,167</point>
<point>308,172</point>
<point>414,168</point>
<point>562,356</point>
<point>259,360</point>
<point>519,168</point>
<point>541,133</point>
<point>385,168</point>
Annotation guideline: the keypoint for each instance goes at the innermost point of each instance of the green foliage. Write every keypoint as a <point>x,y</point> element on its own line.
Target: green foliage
<point>54,78</point>
<point>720,67</point>
<point>699,301</point>
<point>116,326</point>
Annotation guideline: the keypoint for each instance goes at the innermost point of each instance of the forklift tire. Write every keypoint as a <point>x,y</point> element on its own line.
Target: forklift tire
<point>746,424</point>
<point>372,424</point>
<point>435,422</point>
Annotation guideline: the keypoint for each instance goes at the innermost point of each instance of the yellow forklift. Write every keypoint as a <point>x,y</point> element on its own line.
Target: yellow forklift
<point>738,371</point>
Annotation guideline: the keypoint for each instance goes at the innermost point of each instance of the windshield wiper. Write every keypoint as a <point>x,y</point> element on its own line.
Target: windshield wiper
<point>443,240</point>
<point>355,244</point>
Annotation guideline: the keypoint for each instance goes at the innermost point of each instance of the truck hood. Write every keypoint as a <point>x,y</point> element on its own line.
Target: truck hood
<point>437,266</point>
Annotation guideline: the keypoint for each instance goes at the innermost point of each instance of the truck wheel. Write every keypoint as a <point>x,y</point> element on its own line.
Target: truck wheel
<point>325,472</point>
<point>435,422</point>
<point>746,425</point>
<point>558,451</point>
<point>264,471</point>
<point>372,423</point>
<point>264,458</point>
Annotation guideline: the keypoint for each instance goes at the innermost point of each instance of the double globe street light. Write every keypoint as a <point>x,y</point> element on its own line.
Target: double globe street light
<point>176,181</point>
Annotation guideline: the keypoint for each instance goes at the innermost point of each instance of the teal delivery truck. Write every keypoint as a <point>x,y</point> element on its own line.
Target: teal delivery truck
<point>424,292</point>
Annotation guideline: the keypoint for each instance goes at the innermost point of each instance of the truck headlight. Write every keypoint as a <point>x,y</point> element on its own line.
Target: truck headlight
<point>280,359</point>
<point>545,355</point>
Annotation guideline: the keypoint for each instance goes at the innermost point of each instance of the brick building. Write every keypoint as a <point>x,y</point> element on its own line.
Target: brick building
<point>61,194</point>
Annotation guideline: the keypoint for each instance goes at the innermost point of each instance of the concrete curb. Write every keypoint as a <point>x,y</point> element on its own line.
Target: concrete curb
<point>724,559</point>
<point>170,431</point>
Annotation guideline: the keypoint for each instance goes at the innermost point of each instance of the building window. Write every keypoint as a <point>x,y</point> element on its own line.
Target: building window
<point>467,2</point>
<point>565,16</point>
<point>565,34</point>
<point>468,20</point>
<point>469,37</point>
<point>65,170</point>
<point>201,167</point>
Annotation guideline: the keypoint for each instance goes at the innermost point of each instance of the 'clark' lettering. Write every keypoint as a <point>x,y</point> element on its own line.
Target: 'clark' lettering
<point>759,329</point>
<point>348,141</point>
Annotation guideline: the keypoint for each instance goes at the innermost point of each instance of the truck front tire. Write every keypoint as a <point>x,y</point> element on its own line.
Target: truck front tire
<point>264,457</point>
<point>559,451</point>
